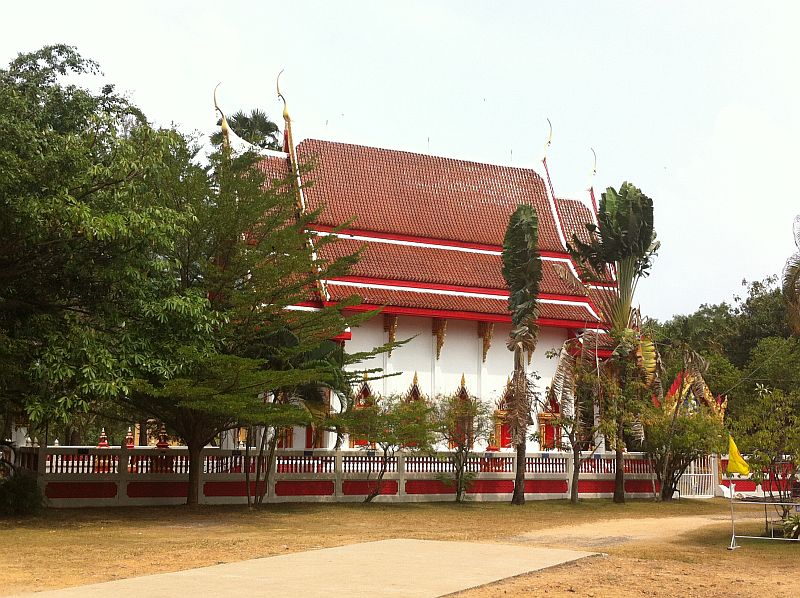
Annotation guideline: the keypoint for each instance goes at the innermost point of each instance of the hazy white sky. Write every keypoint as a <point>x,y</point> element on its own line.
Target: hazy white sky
<point>697,105</point>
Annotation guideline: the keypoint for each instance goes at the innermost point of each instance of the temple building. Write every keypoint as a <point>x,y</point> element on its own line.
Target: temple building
<point>432,228</point>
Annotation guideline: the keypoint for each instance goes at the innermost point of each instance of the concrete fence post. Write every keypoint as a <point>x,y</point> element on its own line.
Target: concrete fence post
<point>338,474</point>
<point>570,469</point>
<point>401,474</point>
<point>123,474</point>
<point>41,469</point>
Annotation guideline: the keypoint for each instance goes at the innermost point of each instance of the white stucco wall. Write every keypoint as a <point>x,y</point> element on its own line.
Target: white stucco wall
<point>461,354</point>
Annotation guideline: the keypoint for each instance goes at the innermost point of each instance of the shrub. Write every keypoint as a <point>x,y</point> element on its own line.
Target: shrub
<point>20,495</point>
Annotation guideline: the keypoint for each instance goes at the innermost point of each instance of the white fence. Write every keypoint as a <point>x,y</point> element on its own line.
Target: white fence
<point>79,476</point>
<point>701,478</point>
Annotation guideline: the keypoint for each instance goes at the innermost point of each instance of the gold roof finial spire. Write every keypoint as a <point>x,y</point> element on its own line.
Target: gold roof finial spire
<point>549,140</point>
<point>463,381</point>
<point>286,116</point>
<point>416,379</point>
<point>592,175</point>
<point>226,130</point>
<point>288,142</point>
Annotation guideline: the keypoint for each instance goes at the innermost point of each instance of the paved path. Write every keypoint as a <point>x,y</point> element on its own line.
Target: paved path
<point>407,568</point>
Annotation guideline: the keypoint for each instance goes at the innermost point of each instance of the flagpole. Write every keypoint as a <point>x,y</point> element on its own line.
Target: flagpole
<point>732,487</point>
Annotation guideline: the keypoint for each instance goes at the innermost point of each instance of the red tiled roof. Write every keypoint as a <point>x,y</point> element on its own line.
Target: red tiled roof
<point>442,266</point>
<point>445,303</point>
<point>420,195</point>
<point>574,216</point>
<point>437,199</point>
<point>275,167</point>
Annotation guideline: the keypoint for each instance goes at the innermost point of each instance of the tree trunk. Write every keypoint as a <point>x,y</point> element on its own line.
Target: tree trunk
<point>259,496</point>
<point>461,463</point>
<point>377,489</point>
<point>269,466</point>
<point>519,426</point>
<point>619,478</point>
<point>246,466</point>
<point>576,474</point>
<point>519,480</point>
<point>195,465</point>
<point>143,432</point>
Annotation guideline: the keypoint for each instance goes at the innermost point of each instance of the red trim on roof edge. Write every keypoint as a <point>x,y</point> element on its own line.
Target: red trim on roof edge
<point>455,288</point>
<point>356,232</point>
<point>465,315</point>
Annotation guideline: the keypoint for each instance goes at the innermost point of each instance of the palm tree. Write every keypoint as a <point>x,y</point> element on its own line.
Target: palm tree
<point>522,270</point>
<point>256,128</point>
<point>624,241</point>
<point>791,282</point>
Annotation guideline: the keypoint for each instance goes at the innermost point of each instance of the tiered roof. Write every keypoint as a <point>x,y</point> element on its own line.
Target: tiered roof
<point>433,230</point>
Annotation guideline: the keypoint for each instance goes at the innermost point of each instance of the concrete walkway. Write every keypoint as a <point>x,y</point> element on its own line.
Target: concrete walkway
<point>408,568</point>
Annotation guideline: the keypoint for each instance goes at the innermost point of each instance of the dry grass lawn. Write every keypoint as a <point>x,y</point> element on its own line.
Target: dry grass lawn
<point>644,558</point>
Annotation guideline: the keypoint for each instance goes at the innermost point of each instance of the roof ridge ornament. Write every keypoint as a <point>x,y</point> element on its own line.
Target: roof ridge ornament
<point>592,176</point>
<point>288,143</point>
<point>226,130</point>
<point>549,141</point>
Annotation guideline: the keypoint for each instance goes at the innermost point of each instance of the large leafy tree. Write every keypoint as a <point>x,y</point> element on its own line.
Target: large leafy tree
<point>522,270</point>
<point>624,242</point>
<point>86,299</point>
<point>248,250</point>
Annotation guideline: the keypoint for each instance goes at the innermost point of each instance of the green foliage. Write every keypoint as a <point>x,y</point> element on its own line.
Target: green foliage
<point>86,301</point>
<point>131,272</point>
<point>255,128</point>
<point>791,282</point>
<point>768,431</point>
<point>624,230</point>
<point>623,238</point>
<point>522,270</point>
<point>673,441</point>
<point>791,527</point>
<point>20,495</point>
<point>744,343</point>
<point>760,314</point>
<point>391,423</point>
<point>461,420</point>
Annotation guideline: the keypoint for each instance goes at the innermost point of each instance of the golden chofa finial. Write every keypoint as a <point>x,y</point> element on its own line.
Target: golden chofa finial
<point>416,379</point>
<point>286,116</point>
<point>226,130</point>
<point>463,381</point>
<point>549,140</point>
<point>366,376</point>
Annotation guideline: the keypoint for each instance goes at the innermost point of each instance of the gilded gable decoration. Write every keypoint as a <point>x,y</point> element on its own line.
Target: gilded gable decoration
<point>439,330</point>
<point>485,333</point>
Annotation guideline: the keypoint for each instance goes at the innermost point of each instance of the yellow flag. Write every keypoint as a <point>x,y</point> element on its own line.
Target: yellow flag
<point>735,462</point>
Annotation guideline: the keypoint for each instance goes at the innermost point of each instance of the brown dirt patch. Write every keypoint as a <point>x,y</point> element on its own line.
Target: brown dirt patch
<point>66,548</point>
<point>679,556</point>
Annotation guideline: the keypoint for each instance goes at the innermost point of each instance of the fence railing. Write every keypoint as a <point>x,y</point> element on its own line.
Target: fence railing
<point>75,476</point>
